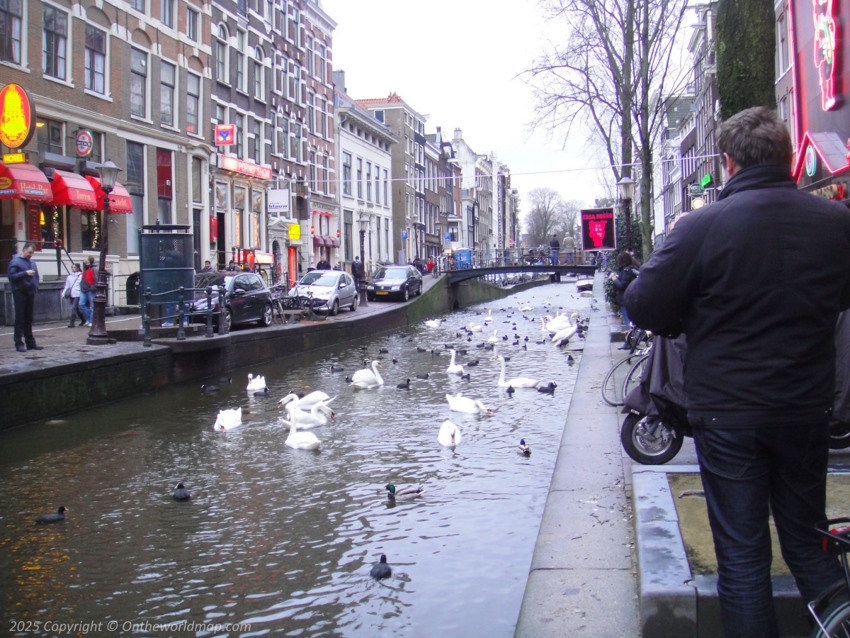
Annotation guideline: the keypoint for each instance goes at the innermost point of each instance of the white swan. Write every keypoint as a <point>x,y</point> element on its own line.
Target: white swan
<point>516,382</point>
<point>228,419</point>
<point>318,415</point>
<point>433,323</point>
<point>307,401</point>
<point>301,440</point>
<point>563,336</point>
<point>449,435</point>
<point>494,338</point>
<point>489,316</point>
<point>460,403</point>
<point>367,379</point>
<point>474,327</point>
<point>559,322</point>
<point>256,383</point>
<point>454,368</point>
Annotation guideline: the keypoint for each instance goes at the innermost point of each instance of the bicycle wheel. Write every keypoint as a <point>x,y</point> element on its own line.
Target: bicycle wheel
<point>612,386</point>
<point>635,374</point>
<point>835,621</point>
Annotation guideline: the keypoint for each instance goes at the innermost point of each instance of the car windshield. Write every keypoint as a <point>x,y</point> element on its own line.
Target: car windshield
<point>318,278</point>
<point>212,279</point>
<point>391,273</point>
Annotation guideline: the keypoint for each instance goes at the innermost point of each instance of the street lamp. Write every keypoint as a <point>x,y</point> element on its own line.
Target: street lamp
<point>97,334</point>
<point>363,221</point>
<point>626,188</point>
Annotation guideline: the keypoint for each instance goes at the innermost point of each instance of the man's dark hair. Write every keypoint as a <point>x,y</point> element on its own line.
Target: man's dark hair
<point>755,136</point>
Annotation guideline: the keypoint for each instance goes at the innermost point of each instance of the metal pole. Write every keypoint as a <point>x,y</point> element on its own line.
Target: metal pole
<point>362,283</point>
<point>98,335</point>
<point>627,209</point>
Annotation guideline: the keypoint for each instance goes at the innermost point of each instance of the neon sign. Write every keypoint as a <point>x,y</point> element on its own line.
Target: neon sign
<point>17,116</point>
<point>825,18</point>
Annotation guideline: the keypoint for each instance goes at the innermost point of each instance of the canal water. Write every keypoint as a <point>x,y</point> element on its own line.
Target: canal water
<point>281,541</point>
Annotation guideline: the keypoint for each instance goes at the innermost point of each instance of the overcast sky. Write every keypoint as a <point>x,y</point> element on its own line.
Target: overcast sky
<point>457,62</point>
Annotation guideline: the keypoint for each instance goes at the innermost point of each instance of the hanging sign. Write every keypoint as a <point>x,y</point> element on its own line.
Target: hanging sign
<point>17,116</point>
<point>597,229</point>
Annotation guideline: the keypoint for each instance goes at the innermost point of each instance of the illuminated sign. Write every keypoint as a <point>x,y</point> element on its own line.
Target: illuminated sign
<point>597,229</point>
<point>825,50</point>
<point>245,168</point>
<point>294,232</point>
<point>14,158</point>
<point>17,116</point>
<point>705,181</point>
<point>225,134</point>
<point>811,161</point>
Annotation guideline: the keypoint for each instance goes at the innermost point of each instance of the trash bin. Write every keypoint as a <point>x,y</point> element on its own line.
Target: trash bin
<point>133,289</point>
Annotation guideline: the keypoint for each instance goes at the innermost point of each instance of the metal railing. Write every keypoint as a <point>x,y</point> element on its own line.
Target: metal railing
<point>185,309</point>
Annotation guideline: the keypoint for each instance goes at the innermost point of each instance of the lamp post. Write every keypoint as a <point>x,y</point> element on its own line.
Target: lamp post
<point>363,221</point>
<point>97,334</point>
<point>626,188</point>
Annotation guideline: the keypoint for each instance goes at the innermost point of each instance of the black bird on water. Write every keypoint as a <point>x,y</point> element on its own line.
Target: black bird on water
<point>58,517</point>
<point>423,375</point>
<point>404,386</point>
<point>510,390</point>
<point>549,388</point>
<point>209,389</point>
<point>381,570</point>
<point>181,493</point>
<point>464,377</point>
<point>336,368</point>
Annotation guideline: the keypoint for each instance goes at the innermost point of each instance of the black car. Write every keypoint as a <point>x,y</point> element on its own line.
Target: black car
<point>247,299</point>
<point>402,282</point>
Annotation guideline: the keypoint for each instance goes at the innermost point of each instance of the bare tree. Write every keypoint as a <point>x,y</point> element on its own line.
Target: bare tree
<point>568,214</point>
<point>545,215</point>
<point>608,74</point>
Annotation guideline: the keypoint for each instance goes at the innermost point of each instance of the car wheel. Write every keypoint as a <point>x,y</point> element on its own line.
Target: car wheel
<point>228,320</point>
<point>334,310</point>
<point>419,290</point>
<point>355,302</point>
<point>268,315</point>
<point>370,297</point>
<point>406,295</point>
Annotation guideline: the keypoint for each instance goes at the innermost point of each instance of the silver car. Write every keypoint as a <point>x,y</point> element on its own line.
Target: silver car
<point>329,290</point>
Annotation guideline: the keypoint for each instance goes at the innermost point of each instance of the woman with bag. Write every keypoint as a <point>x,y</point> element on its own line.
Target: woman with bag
<point>87,288</point>
<point>71,292</point>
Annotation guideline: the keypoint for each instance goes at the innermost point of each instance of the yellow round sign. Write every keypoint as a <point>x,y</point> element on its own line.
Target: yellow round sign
<point>17,116</point>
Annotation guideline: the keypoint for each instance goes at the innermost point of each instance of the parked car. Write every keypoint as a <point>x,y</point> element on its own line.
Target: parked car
<point>247,299</point>
<point>402,282</point>
<point>330,290</point>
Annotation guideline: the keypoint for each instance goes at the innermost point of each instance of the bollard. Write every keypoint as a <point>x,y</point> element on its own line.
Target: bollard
<point>181,315</point>
<point>209,330</point>
<point>146,320</point>
<point>222,329</point>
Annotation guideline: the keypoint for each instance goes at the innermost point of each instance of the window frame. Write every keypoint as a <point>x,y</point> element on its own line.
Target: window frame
<point>11,38</point>
<point>58,44</point>
<point>90,73</point>
<point>166,89</point>
<point>194,121</point>
<point>145,80</point>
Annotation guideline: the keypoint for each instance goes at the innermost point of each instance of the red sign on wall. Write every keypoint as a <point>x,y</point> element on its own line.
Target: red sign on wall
<point>597,229</point>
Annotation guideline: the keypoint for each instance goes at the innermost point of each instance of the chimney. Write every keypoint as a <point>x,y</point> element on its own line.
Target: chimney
<point>339,81</point>
<point>458,134</point>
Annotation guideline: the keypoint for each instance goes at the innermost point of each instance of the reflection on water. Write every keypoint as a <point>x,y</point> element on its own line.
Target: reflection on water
<point>283,539</point>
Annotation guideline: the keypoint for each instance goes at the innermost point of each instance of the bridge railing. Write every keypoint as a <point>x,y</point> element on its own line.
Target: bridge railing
<point>493,258</point>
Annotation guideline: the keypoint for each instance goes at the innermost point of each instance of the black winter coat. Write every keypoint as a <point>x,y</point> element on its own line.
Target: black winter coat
<point>756,282</point>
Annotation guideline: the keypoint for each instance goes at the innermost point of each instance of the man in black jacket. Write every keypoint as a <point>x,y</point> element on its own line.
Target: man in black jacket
<point>756,282</point>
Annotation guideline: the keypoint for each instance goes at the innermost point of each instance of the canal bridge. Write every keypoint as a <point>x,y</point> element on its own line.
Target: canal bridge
<point>462,274</point>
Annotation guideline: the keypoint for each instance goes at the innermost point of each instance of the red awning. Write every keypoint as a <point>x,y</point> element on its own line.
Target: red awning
<point>24,181</point>
<point>319,240</point>
<point>333,241</point>
<point>70,189</point>
<point>119,198</point>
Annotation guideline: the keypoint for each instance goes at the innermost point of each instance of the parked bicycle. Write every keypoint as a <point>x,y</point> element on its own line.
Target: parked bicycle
<point>831,610</point>
<point>625,374</point>
<point>297,308</point>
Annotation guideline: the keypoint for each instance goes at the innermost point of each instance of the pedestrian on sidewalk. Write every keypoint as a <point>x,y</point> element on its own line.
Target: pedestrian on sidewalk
<point>71,292</point>
<point>23,279</point>
<point>88,285</point>
<point>760,321</point>
<point>555,250</point>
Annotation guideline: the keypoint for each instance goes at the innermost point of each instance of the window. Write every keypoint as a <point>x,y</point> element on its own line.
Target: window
<point>193,102</point>
<point>95,60</point>
<point>168,81</point>
<point>321,70</point>
<point>138,5</point>
<point>254,141</point>
<point>138,83</point>
<point>50,137</point>
<point>309,56</point>
<point>135,183</point>
<point>220,55</point>
<point>239,146</point>
<point>377,185</point>
<point>368,181</point>
<point>167,17</point>
<point>346,174</point>
<point>55,42</point>
<point>241,36</point>
<point>259,76</point>
<point>279,74</point>
<point>782,55</point>
<point>282,136</point>
<point>242,7</point>
<point>386,186</point>
<point>192,19</point>
<point>164,177</point>
<point>10,31</point>
<point>359,178</point>
<point>311,114</point>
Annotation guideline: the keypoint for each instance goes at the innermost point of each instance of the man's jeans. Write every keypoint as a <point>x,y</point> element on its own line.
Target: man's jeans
<point>87,304</point>
<point>747,474</point>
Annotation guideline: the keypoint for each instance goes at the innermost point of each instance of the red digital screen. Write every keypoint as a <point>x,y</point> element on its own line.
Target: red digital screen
<point>597,229</point>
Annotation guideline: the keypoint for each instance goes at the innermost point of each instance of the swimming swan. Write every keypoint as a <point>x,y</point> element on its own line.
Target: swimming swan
<point>460,403</point>
<point>318,415</point>
<point>256,383</point>
<point>454,368</point>
<point>449,435</point>
<point>516,382</point>
<point>301,440</point>
<point>307,401</point>
<point>366,378</point>
<point>228,419</point>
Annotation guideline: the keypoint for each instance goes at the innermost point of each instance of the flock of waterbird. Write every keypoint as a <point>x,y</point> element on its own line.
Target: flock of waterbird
<point>303,412</point>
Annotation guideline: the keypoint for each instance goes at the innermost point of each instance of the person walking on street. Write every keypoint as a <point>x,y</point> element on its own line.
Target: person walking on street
<point>71,292</point>
<point>760,367</point>
<point>357,272</point>
<point>88,285</point>
<point>23,279</point>
<point>626,273</point>
<point>555,250</point>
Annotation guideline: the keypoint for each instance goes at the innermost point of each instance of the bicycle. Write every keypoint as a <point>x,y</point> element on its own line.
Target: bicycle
<point>831,610</point>
<point>625,374</point>
<point>303,307</point>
